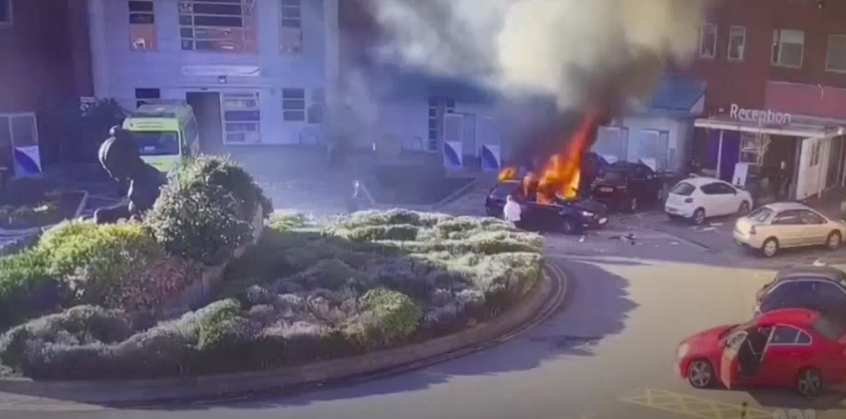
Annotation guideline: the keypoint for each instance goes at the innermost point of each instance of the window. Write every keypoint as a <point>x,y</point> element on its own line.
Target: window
<point>760,214</point>
<point>683,189</point>
<point>215,25</point>
<point>241,118</point>
<point>830,329</point>
<point>791,217</point>
<point>835,56</point>
<point>5,12</point>
<point>809,217</point>
<point>157,143</point>
<point>783,335</point>
<point>147,96</point>
<point>610,144</point>
<point>737,43</point>
<point>803,339</point>
<point>736,339</point>
<point>789,294</point>
<point>788,47</point>
<point>290,26</point>
<point>708,41</point>
<point>711,189</point>
<point>293,105</point>
<point>16,130</point>
<point>830,294</point>
<point>142,25</point>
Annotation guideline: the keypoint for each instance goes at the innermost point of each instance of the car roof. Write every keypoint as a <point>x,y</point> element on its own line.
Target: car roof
<point>702,180</point>
<point>624,165</point>
<point>817,272</point>
<point>798,317</point>
<point>783,206</point>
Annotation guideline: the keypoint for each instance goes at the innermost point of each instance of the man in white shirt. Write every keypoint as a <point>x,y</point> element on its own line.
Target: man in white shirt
<point>512,210</point>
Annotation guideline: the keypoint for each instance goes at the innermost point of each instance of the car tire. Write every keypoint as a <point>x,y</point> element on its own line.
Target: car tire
<point>698,217</point>
<point>809,382</point>
<point>743,209</point>
<point>569,227</point>
<point>700,373</point>
<point>770,247</point>
<point>832,242</point>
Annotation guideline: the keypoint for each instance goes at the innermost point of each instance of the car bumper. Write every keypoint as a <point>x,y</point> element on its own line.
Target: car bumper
<point>598,221</point>
<point>679,211</point>
<point>747,240</point>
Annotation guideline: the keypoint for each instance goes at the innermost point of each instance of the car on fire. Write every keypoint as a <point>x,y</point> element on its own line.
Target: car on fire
<point>780,225</point>
<point>796,348</point>
<point>699,198</point>
<point>569,216</point>
<point>625,185</point>
<point>818,288</point>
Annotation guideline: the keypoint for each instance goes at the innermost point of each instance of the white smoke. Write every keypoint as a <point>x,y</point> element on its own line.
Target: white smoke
<point>570,49</point>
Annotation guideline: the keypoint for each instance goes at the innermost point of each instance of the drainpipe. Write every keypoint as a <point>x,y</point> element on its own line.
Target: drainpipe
<point>331,58</point>
<point>99,49</point>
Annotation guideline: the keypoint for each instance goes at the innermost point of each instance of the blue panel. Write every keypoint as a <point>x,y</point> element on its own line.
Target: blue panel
<point>677,94</point>
<point>730,154</point>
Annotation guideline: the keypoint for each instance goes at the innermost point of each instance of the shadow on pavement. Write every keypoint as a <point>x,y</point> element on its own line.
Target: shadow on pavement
<point>787,399</point>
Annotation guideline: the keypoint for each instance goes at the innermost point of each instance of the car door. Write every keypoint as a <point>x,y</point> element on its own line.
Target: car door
<point>710,199</point>
<point>741,357</point>
<point>638,183</point>
<point>790,294</point>
<point>831,299</point>
<point>787,350</point>
<point>816,229</point>
<point>732,198</point>
<point>787,226</point>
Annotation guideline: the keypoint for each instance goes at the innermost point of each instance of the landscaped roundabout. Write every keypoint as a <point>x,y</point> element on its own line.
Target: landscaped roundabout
<point>208,284</point>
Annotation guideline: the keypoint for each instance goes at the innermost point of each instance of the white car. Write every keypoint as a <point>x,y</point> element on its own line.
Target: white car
<point>698,198</point>
<point>787,224</point>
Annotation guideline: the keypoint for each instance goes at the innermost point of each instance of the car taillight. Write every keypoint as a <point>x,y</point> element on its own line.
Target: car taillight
<point>688,201</point>
<point>752,230</point>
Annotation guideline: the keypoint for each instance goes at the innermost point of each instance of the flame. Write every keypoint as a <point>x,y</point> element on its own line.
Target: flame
<point>562,172</point>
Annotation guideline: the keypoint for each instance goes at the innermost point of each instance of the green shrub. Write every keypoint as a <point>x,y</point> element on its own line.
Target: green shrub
<point>397,232</point>
<point>223,172</point>
<point>199,221</point>
<point>285,221</point>
<point>27,288</point>
<point>389,317</point>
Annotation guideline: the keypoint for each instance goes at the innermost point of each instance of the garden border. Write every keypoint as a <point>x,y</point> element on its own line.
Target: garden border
<point>17,233</point>
<point>544,299</point>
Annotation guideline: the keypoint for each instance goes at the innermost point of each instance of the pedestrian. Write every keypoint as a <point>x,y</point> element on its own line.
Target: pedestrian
<point>352,203</point>
<point>512,211</point>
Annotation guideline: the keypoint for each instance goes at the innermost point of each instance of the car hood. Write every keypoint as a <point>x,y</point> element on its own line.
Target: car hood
<point>588,205</point>
<point>710,337</point>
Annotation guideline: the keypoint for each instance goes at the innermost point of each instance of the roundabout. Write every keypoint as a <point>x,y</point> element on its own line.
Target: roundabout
<point>607,353</point>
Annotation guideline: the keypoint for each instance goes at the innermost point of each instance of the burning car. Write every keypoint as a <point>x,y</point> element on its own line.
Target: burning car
<point>555,198</point>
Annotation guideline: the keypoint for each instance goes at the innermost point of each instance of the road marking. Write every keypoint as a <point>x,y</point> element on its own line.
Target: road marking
<point>24,407</point>
<point>695,406</point>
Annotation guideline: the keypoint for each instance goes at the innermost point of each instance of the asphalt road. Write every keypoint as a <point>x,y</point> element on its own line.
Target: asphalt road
<point>608,354</point>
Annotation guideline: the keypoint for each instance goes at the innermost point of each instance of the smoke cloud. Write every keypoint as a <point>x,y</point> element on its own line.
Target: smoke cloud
<point>576,51</point>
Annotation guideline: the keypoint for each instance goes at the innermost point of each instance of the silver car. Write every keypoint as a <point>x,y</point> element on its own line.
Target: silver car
<point>787,224</point>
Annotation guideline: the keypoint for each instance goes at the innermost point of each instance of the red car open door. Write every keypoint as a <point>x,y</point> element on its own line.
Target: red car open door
<point>730,362</point>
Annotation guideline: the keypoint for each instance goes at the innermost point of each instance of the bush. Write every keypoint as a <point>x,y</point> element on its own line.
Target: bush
<point>223,172</point>
<point>389,318</point>
<point>27,289</point>
<point>199,221</point>
<point>285,221</point>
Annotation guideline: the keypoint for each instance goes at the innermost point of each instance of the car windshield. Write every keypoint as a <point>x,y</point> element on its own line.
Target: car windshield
<point>830,328</point>
<point>503,190</point>
<point>157,143</point>
<point>683,189</point>
<point>613,176</point>
<point>760,214</point>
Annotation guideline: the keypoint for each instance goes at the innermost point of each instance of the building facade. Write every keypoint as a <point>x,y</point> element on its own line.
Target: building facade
<point>775,73</point>
<point>255,71</point>
<point>43,58</point>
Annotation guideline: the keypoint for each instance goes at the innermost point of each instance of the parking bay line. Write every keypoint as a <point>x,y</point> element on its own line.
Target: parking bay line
<point>695,406</point>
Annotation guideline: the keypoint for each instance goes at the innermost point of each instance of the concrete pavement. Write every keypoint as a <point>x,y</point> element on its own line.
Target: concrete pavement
<point>609,354</point>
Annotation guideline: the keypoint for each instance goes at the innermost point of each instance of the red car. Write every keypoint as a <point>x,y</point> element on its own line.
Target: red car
<point>796,348</point>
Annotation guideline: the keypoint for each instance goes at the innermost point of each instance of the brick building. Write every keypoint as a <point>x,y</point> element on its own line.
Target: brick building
<point>43,58</point>
<point>786,58</point>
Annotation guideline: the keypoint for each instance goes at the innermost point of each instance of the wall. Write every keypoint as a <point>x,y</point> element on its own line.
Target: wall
<point>678,132</point>
<point>122,70</point>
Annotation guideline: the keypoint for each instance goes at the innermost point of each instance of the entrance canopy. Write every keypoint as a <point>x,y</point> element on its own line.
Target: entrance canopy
<point>798,126</point>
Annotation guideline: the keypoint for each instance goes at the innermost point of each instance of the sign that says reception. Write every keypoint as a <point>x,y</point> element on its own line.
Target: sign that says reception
<point>794,414</point>
<point>760,116</point>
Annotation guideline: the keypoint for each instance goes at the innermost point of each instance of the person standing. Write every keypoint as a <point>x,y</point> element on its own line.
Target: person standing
<point>512,211</point>
<point>352,203</point>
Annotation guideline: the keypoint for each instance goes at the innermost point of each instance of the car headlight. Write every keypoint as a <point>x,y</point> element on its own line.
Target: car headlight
<point>587,214</point>
<point>682,351</point>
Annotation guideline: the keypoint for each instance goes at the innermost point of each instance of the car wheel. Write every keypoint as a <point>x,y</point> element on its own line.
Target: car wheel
<point>700,373</point>
<point>569,227</point>
<point>632,207</point>
<point>699,216</point>
<point>809,382</point>
<point>770,247</point>
<point>744,209</point>
<point>833,241</point>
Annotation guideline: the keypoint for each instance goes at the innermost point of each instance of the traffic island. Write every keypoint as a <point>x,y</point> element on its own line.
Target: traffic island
<point>206,297</point>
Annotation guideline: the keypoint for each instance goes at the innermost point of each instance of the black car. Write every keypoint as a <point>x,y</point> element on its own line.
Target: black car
<point>626,186</point>
<point>569,216</point>
<point>816,288</point>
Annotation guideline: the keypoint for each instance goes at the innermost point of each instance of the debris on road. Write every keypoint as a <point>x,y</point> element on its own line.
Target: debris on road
<point>582,239</point>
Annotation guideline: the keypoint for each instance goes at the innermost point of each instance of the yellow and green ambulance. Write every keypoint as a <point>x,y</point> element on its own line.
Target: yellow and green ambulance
<point>166,134</point>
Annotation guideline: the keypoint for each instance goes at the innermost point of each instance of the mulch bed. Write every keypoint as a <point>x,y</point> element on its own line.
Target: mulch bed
<point>64,206</point>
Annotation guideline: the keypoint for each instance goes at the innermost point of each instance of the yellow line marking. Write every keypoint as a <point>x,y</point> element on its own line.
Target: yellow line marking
<point>694,406</point>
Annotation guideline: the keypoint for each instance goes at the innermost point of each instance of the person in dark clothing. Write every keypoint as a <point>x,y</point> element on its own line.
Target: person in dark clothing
<point>120,158</point>
<point>352,203</point>
<point>750,356</point>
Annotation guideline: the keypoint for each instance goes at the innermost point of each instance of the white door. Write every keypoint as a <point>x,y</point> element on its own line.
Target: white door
<point>807,183</point>
<point>454,137</point>
<point>469,135</point>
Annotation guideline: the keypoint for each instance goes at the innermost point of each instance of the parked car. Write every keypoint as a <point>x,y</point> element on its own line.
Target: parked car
<point>776,226</point>
<point>796,348</point>
<point>569,216</point>
<point>626,185</point>
<point>815,288</point>
<point>699,198</point>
